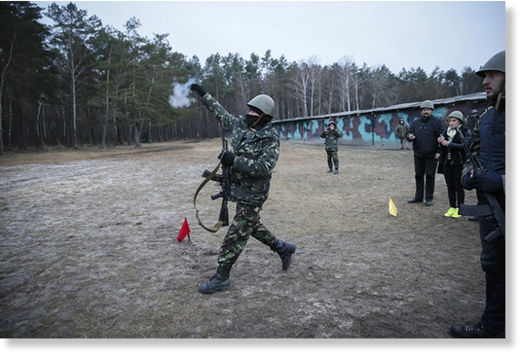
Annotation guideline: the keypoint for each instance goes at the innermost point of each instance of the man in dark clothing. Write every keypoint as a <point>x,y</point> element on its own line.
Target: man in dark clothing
<point>490,142</point>
<point>423,133</point>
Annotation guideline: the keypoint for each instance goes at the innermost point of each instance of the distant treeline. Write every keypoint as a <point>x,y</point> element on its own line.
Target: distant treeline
<point>79,82</point>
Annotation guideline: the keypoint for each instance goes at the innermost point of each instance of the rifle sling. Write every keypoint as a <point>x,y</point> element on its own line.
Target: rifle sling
<point>217,225</point>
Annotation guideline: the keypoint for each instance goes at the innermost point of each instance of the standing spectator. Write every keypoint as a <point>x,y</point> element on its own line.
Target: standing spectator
<point>452,158</point>
<point>400,131</point>
<point>423,133</point>
<point>331,135</point>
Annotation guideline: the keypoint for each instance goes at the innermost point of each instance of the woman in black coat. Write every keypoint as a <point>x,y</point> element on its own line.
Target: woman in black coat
<point>452,158</point>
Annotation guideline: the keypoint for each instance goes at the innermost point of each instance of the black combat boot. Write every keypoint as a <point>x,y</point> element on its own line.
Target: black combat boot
<point>475,331</point>
<point>285,250</point>
<point>219,282</point>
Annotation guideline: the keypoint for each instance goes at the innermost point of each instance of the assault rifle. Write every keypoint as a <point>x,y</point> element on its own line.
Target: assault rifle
<point>491,209</point>
<point>224,182</point>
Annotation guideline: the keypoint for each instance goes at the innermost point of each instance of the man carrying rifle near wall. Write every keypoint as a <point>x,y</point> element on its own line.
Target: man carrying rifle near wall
<point>487,175</point>
<point>256,147</point>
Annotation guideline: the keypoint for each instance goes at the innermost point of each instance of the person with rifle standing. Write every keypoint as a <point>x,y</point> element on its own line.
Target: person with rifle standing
<point>256,147</point>
<point>488,177</point>
<point>331,135</point>
<point>452,158</point>
<point>423,133</point>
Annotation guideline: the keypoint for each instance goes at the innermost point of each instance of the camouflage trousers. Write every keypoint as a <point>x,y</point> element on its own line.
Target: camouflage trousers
<point>245,223</point>
<point>332,155</point>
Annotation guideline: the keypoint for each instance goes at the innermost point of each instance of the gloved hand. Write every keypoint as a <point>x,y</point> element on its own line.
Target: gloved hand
<point>468,182</point>
<point>227,158</point>
<point>198,89</point>
<point>489,182</point>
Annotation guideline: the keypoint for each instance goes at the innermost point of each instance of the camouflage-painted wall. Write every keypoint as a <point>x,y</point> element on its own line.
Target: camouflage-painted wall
<point>368,128</point>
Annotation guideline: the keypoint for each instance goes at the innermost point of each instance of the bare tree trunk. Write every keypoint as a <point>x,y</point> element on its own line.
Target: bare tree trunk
<point>319,97</point>
<point>10,128</point>
<point>2,83</point>
<point>347,84</point>
<point>148,97</point>
<point>312,99</point>
<point>44,126</point>
<point>115,134</point>
<point>107,101</point>
<point>65,135</point>
<point>38,140</point>
<point>304,80</point>
<point>357,97</point>
<point>137,133</point>
<point>74,116</point>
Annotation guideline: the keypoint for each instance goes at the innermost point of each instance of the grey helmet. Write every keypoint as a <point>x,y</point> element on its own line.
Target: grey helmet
<point>427,104</point>
<point>495,63</point>
<point>264,103</point>
<point>458,115</point>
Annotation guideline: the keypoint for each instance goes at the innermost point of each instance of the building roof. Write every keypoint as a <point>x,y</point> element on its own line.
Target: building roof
<point>449,100</point>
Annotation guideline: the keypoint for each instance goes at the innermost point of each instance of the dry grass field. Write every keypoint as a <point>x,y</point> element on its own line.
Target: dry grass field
<point>88,249</point>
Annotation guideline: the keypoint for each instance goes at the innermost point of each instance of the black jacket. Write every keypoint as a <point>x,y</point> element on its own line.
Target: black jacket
<point>454,153</point>
<point>426,132</point>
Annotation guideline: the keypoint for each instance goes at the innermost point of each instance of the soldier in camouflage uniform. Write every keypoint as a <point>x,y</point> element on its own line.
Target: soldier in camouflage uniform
<point>400,131</point>
<point>474,147</point>
<point>331,135</point>
<point>473,120</point>
<point>255,150</point>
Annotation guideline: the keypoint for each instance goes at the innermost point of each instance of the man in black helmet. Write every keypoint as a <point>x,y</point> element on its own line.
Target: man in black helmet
<point>255,150</point>
<point>490,142</point>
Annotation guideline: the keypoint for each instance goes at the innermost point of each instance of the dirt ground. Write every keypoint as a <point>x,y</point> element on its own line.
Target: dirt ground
<point>88,249</point>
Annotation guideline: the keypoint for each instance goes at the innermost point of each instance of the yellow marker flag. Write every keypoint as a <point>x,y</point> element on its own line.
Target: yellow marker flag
<point>391,207</point>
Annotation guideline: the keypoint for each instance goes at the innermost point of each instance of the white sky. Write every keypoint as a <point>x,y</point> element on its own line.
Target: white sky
<point>398,34</point>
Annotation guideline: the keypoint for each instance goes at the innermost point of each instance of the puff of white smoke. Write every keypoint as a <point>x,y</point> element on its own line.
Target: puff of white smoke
<point>180,96</point>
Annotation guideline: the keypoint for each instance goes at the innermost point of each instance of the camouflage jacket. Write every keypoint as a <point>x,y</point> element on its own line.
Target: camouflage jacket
<point>474,146</point>
<point>401,130</point>
<point>256,155</point>
<point>331,139</point>
<point>473,122</point>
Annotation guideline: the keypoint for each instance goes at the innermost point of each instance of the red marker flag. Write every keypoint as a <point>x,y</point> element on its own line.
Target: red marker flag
<point>185,231</point>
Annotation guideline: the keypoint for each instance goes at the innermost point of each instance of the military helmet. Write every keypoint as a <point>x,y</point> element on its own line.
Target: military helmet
<point>427,104</point>
<point>474,112</point>
<point>458,115</point>
<point>332,122</point>
<point>264,103</point>
<point>496,63</point>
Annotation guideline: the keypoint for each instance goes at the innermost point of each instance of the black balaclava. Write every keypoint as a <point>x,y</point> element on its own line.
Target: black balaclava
<point>257,122</point>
